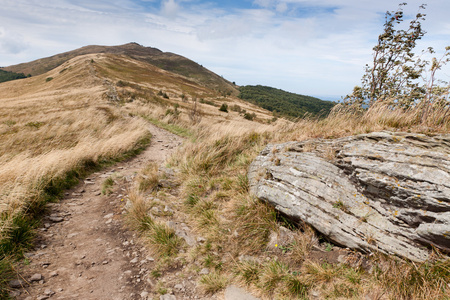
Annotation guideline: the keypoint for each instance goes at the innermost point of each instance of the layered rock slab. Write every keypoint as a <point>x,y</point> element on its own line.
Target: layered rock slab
<point>382,191</point>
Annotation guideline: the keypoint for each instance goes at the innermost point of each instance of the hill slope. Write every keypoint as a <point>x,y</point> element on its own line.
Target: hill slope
<point>165,60</point>
<point>284,103</point>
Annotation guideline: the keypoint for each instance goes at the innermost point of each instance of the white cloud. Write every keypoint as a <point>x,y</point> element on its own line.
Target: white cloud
<point>304,46</point>
<point>282,7</point>
<point>263,3</point>
<point>11,43</point>
<point>169,8</point>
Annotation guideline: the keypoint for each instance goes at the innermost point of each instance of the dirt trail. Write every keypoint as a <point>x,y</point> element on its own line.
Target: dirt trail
<point>84,249</point>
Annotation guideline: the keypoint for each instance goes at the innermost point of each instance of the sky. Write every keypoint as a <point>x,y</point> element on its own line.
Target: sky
<point>310,47</point>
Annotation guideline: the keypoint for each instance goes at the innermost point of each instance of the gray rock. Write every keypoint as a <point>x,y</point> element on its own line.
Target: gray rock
<point>14,293</point>
<point>56,219</point>
<point>109,216</point>
<point>236,293</point>
<point>53,274</point>
<point>250,259</point>
<point>49,292</point>
<point>204,271</point>
<point>167,297</point>
<point>144,295</point>
<point>382,191</point>
<point>134,260</point>
<point>36,277</point>
<point>16,283</point>
<point>187,237</point>
<point>281,238</point>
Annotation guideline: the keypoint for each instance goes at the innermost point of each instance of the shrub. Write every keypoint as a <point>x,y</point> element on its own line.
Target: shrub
<point>236,108</point>
<point>224,108</point>
<point>249,116</point>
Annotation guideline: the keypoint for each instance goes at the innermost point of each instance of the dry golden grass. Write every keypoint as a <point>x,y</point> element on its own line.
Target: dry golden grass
<point>49,128</point>
<point>213,166</point>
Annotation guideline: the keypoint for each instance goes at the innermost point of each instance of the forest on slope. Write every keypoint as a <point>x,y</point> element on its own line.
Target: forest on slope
<point>8,75</point>
<point>285,104</point>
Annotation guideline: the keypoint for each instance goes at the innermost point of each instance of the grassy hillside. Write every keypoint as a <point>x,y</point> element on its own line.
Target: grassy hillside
<point>54,128</point>
<point>238,230</point>
<point>88,111</point>
<point>94,108</point>
<point>283,103</point>
<point>165,60</point>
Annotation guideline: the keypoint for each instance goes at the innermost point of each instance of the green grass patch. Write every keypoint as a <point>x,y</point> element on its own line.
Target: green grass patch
<point>20,235</point>
<point>163,240</point>
<point>175,129</point>
<point>213,282</point>
<point>254,221</point>
<point>107,185</point>
<point>6,274</point>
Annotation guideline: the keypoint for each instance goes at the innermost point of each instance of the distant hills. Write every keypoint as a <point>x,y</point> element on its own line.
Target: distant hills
<point>281,103</point>
<point>284,103</point>
<point>165,60</point>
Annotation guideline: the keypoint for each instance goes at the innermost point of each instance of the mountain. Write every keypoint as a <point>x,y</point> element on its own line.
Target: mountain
<point>284,103</point>
<point>183,76</point>
<point>165,60</point>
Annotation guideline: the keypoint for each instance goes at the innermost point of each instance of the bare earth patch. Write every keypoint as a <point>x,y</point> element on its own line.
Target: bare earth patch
<point>84,250</point>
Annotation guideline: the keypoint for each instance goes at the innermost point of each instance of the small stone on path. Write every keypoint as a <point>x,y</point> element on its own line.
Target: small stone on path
<point>53,274</point>
<point>56,219</point>
<point>36,277</point>
<point>16,283</point>
<point>109,216</point>
<point>134,260</point>
<point>204,271</point>
<point>49,292</point>
<point>236,293</point>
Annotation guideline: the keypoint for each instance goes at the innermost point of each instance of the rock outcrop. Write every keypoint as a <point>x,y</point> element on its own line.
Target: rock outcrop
<point>382,191</point>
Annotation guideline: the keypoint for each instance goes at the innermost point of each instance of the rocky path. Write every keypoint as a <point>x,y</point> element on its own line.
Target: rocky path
<point>84,249</point>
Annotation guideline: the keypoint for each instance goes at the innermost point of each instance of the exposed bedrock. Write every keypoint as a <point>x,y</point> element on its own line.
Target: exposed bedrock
<point>382,191</point>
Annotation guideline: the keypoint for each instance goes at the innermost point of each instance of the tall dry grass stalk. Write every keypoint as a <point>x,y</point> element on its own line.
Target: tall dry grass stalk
<point>347,120</point>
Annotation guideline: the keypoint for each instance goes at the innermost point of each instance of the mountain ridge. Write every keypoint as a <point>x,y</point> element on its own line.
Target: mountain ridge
<point>165,60</point>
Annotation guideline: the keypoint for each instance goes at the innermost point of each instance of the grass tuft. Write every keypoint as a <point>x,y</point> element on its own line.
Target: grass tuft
<point>6,274</point>
<point>273,273</point>
<point>253,221</point>
<point>248,271</point>
<point>20,235</point>
<point>408,280</point>
<point>296,287</point>
<point>138,212</point>
<point>163,240</point>
<point>107,185</point>
<point>213,282</point>
<point>320,272</point>
<point>148,179</point>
